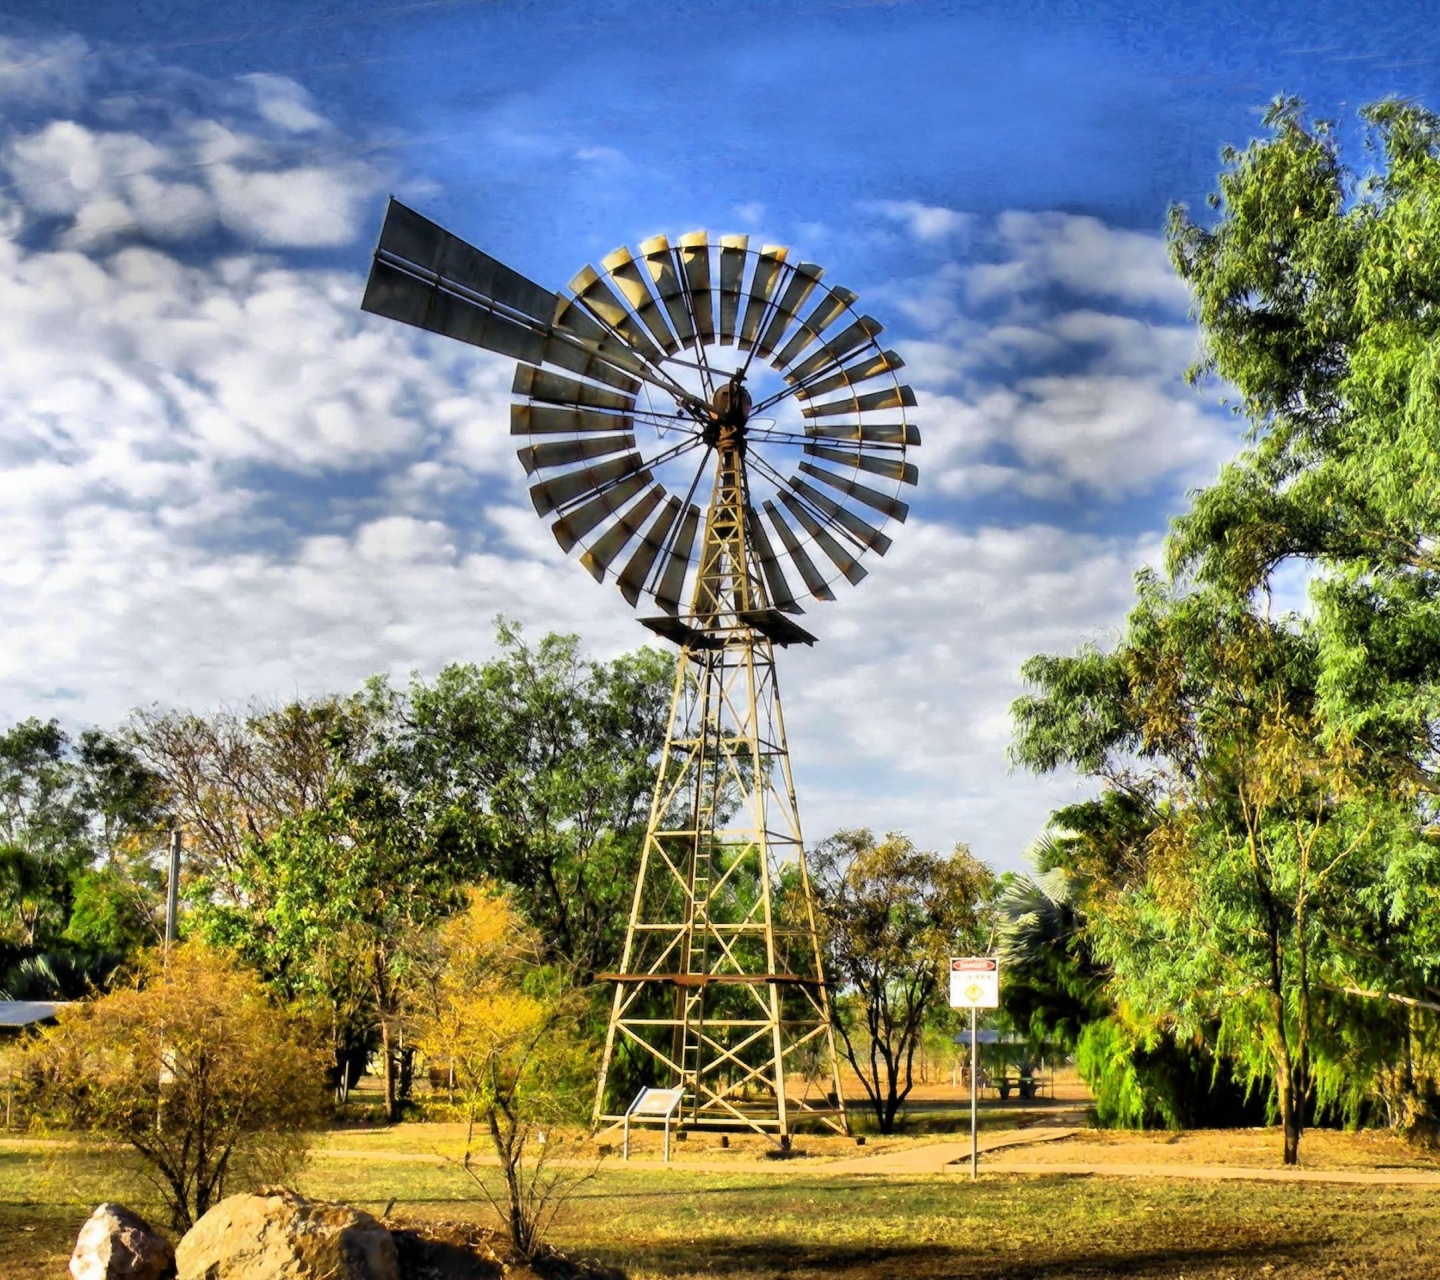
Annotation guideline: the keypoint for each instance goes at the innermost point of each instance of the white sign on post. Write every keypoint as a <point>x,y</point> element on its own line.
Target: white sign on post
<point>974,982</point>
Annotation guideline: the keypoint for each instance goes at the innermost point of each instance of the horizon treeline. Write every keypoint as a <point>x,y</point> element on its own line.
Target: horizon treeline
<point>326,838</point>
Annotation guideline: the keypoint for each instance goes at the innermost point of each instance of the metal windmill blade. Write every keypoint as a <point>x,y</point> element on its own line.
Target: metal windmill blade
<point>628,478</point>
<point>625,401</point>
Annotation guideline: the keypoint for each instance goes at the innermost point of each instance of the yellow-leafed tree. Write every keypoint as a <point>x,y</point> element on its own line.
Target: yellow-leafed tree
<point>506,1029</point>
<point>194,1068</point>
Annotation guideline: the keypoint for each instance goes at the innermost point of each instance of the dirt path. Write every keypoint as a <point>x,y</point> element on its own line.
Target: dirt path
<point>1225,1173</point>
<point>930,1158</point>
<point>1013,1152</point>
<point>938,1157</point>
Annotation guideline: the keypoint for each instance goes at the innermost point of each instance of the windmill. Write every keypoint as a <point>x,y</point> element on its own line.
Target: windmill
<point>720,432</point>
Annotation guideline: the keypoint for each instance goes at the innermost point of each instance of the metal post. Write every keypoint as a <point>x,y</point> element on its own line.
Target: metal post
<point>974,1100</point>
<point>172,890</point>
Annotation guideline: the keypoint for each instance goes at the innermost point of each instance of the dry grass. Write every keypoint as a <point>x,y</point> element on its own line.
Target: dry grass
<point>757,1222</point>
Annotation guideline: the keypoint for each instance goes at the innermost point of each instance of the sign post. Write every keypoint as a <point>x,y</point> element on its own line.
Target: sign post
<point>974,1098</point>
<point>974,985</point>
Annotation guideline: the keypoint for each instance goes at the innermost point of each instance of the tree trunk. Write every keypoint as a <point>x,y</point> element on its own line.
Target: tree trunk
<point>387,1068</point>
<point>406,1084</point>
<point>1290,1118</point>
<point>507,1150</point>
<point>1290,1121</point>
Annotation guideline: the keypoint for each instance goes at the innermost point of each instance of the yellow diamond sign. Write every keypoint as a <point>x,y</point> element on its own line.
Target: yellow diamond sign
<point>975,982</point>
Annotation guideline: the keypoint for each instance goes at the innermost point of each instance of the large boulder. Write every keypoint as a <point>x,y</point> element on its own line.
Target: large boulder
<point>279,1235</point>
<point>115,1244</point>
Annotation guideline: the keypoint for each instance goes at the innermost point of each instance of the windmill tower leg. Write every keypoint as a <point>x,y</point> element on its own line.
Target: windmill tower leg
<point>720,987</point>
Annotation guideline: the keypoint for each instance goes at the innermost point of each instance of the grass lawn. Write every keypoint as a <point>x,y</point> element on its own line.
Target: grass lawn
<point>756,1223</point>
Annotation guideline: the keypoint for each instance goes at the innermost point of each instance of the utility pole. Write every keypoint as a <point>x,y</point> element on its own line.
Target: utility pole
<point>172,889</point>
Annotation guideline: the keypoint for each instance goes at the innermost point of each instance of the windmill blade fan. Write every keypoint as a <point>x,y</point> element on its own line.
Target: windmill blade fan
<point>670,385</point>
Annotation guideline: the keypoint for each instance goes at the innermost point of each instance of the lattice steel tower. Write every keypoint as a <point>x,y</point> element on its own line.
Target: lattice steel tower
<point>801,432</point>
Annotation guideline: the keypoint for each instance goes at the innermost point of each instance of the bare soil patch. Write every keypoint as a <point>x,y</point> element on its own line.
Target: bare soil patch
<point>1320,1149</point>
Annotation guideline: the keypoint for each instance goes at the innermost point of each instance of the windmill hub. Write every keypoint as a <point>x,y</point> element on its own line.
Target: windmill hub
<point>729,412</point>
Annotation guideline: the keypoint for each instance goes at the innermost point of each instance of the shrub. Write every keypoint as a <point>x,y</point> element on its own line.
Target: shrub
<point>194,1068</point>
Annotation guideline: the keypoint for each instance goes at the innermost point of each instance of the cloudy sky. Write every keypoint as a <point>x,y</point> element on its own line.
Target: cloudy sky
<point>220,481</point>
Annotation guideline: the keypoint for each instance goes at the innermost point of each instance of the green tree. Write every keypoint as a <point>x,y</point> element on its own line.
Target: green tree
<point>234,778</point>
<point>548,759</point>
<point>1315,282</point>
<point>891,915</point>
<point>1264,842</point>
<point>1060,993</point>
<point>327,837</point>
<point>1315,286</point>
<point>1053,987</point>
<point>118,900</point>
<point>193,1068</point>
<point>42,830</point>
<point>334,903</point>
<point>254,794</point>
<point>80,823</point>
<point>1283,772</point>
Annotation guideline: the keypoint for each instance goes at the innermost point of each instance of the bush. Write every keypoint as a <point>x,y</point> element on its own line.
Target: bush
<point>1161,1084</point>
<point>193,1067</point>
<point>523,1070</point>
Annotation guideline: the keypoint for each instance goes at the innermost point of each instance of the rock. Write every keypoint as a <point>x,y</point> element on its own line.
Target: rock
<point>115,1244</point>
<point>279,1235</point>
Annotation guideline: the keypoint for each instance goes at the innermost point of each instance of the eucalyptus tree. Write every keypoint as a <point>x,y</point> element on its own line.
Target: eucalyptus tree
<point>1267,847</point>
<point>331,835</point>
<point>1315,280</point>
<point>1282,884</point>
<point>1315,283</point>
<point>891,915</point>
<point>550,758</point>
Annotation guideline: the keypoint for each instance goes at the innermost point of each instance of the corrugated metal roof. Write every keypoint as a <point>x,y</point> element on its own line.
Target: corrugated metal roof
<point>988,1035</point>
<point>21,1013</point>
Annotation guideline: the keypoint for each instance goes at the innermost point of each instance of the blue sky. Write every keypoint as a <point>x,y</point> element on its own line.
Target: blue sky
<point>219,480</point>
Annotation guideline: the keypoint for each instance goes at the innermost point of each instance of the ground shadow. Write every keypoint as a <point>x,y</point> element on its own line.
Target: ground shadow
<point>940,1261</point>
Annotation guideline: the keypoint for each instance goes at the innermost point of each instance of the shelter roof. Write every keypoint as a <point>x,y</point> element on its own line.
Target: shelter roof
<point>21,1013</point>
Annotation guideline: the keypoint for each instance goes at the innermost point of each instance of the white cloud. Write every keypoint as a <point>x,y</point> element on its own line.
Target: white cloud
<point>1108,435</point>
<point>48,70</point>
<point>927,223</point>
<point>219,479</point>
<point>1052,396</point>
<point>306,207</point>
<point>1081,254</point>
<point>403,539</point>
<point>910,688</point>
<point>601,155</point>
<point>122,612</point>
<point>284,103</point>
<point>249,173</point>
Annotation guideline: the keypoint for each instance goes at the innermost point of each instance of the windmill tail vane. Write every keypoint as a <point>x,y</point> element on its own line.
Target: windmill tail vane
<point>721,433</point>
